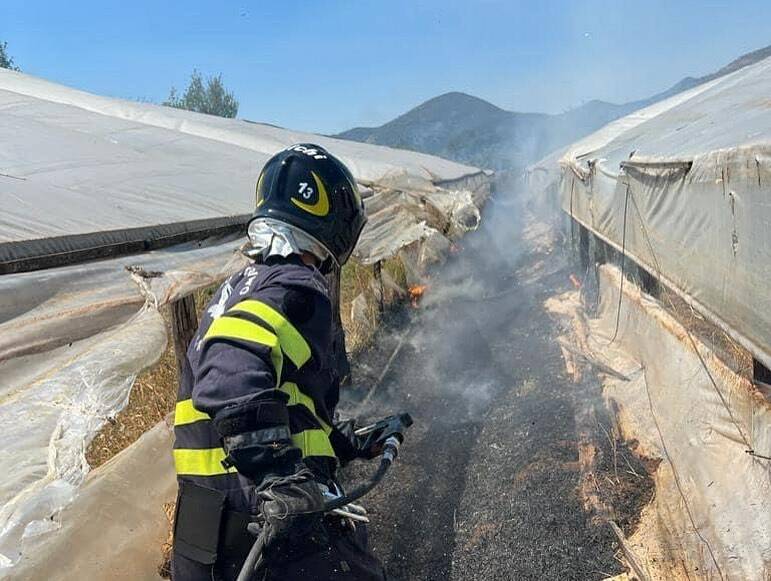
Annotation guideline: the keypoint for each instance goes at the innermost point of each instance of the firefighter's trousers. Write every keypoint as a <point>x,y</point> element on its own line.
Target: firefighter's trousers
<point>348,558</point>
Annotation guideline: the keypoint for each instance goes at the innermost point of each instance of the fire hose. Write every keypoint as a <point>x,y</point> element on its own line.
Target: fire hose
<point>388,433</point>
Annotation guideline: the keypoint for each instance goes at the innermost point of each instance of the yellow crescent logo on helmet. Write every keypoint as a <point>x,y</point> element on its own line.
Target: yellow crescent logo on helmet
<point>321,207</point>
<point>260,199</point>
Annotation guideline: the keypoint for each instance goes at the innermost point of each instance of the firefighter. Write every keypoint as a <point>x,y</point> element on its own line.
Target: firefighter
<point>254,429</point>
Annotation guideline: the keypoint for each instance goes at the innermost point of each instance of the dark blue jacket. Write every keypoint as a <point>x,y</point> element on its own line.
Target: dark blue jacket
<point>260,369</point>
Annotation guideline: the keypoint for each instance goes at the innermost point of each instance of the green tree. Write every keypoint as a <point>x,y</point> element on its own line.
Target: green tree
<point>6,62</point>
<point>208,96</point>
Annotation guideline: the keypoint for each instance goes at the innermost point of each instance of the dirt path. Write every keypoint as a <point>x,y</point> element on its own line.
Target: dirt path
<point>488,484</point>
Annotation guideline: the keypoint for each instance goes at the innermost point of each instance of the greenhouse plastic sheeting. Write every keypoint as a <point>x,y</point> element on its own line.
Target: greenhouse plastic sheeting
<point>126,546</point>
<point>683,187</point>
<point>78,172</point>
<point>74,163</point>
<point>712,506</point>
<point>72,341</point>
<point>692,417</point>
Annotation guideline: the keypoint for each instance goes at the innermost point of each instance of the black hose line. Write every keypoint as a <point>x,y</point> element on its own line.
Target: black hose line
<point>362,489</point>
<point>254,562</point>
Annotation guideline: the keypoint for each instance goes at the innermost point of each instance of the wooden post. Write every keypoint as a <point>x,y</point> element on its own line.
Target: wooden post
<point>339,354</point>
<point>377,270</point>
<point>184,323</point>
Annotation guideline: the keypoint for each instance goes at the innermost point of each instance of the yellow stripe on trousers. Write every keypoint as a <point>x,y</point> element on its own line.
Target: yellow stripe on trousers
<point>185,413</point>
<point>207,462</point>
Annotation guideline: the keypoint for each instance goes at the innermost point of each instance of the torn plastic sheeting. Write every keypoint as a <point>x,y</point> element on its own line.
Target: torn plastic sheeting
<point>80,335</point>
<point>46,309</point>
<point>479,184</point>
<point>726,490</point>
<point>397,219</point>
<point>132,489</point>
<point>44,463</point>
<point>380,247</point>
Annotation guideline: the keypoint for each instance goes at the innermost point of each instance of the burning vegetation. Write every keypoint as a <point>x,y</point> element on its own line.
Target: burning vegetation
<point>416,293</point>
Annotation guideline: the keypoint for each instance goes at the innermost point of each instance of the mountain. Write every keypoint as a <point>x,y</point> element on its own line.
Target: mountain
<point>471,130</point>
<point>468,129</point>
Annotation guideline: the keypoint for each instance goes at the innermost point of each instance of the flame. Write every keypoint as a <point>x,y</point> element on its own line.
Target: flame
<point>416,292</point>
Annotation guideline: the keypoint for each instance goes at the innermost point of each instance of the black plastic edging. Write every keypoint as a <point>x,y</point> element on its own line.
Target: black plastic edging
<point>29,255</point>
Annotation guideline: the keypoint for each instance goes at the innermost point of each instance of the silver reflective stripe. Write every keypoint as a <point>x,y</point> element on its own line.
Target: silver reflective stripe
<point>258,438</point>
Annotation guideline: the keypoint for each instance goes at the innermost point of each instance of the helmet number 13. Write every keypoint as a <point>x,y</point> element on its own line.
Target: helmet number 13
<point>305,191</point>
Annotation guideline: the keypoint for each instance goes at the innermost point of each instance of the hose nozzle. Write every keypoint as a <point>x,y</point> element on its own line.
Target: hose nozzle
<point>391,449</point>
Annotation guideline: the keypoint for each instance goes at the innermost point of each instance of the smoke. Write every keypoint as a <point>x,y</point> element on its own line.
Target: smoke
<point>455,348</point>
<point>454,352</point>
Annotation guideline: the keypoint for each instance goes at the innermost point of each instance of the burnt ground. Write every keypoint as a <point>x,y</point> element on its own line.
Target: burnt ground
<point>489,484</point>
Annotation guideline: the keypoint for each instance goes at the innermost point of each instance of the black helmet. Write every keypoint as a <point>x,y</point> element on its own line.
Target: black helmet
<point>308,188</point>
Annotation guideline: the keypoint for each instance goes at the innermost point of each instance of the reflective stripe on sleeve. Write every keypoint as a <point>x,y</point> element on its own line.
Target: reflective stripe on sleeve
<point>185,413</point>
<point>313,443</point>
<point>207,462</point>
<point>297,397</point>
<point>292,342</point>
<point>232,328</point>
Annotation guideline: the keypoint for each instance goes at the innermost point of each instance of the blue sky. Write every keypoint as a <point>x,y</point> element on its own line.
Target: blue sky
<point>329,65</point>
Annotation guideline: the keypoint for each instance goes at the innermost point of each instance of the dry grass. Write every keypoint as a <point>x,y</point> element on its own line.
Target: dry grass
<point>362,294</point>
<point>152,398</point>
<point>164,569</point>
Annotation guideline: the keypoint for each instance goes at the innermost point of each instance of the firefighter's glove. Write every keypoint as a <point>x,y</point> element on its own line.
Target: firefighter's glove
<point>347,445</point>
<point>292,507</point>
<point>371,439</point>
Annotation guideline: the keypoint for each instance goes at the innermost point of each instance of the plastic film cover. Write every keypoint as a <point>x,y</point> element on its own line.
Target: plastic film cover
<point>695,189</point>
<point>84,177</point>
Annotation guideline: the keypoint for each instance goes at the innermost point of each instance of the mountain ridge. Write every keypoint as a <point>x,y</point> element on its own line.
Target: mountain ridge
<point>471,130</point>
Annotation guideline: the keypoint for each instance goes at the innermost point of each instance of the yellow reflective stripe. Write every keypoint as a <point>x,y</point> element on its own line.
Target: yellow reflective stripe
<point>185,413</point>
<point>207,462</point>
<point>232,328</point>
<point>313,443</point>
<point>297,397</point>
<point>292,342</point>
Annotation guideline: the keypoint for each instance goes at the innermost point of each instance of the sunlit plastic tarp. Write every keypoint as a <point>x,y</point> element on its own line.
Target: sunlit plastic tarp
<point>682,188</point>
<point>75,163</point>
<point>694,174</point>
<point>710,515</point>
<point>83,173</point>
